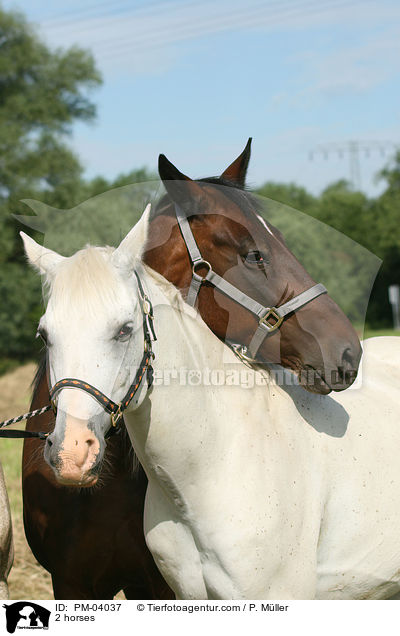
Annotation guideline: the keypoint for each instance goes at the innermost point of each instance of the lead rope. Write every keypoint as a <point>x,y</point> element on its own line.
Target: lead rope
<point>19,434</point>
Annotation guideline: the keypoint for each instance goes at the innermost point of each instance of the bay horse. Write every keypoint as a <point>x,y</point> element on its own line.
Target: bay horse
<point>286,494</point>
<point>73,558</point>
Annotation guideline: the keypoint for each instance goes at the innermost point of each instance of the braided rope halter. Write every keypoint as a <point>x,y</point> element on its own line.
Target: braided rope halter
<point>113,408</point>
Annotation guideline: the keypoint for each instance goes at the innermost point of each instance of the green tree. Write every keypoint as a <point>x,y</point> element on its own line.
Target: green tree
<point>290,194</point>
<point>387,208</point>
<point>42,93</point>
<point>348,211</point>
<point>106,213</point>
<point>384,230</point>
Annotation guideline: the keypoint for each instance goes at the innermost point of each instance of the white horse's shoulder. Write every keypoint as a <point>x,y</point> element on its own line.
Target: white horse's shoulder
<point>382,346</point>
<point>381,360</point>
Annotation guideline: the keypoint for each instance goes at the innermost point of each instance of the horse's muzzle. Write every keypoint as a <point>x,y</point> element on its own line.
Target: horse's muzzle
<point>74,455</point>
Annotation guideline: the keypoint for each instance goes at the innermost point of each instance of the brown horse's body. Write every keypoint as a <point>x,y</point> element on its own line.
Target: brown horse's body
<point>91,541</point>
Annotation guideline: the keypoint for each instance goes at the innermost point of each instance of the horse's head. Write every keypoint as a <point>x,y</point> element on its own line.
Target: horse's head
<point>317,341</point>
<point>93,330</point>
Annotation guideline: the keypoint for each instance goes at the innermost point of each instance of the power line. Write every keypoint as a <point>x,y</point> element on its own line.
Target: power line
<point>186,25</point>
<point>243,19</point>
<point>110,20</point>
<point>189,27</point>
<point>106,8</point>
<point>354,149</point>
<point>162,6</point>
<point>126,8</point>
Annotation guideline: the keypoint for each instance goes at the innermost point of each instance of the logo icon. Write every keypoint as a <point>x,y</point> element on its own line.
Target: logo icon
<point>26,615</point>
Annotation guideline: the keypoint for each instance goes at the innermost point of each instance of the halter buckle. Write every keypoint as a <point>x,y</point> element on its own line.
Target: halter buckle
<point>146,306</point>
<point>242,352</point>
<point>201,263</point>
<point>115,417</point>
<point>276,320</point>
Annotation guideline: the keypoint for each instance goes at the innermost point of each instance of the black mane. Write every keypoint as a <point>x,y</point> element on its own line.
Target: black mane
<point>237,193</point>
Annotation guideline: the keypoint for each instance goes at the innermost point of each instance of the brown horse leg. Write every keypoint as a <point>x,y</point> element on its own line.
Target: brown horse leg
<point>145,593</point>
<point>70,590</point>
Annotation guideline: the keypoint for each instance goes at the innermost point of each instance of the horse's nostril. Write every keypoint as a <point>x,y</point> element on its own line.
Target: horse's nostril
<point>346,369</point>
<point>49,442</point>
<point>351,358</point>
<point>348,358</point>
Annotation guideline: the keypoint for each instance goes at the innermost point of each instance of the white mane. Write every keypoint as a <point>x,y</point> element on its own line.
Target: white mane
<point>172,293</point>
<point>85,279</point>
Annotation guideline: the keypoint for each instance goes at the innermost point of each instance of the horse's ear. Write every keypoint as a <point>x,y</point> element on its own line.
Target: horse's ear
<point>41,258</point>
<point>236,172</point>
<point>181,189</point>
<point>132,246</point>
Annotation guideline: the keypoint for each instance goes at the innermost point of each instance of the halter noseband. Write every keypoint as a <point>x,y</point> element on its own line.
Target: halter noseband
<point>115,409</point>
<point>269,318</point>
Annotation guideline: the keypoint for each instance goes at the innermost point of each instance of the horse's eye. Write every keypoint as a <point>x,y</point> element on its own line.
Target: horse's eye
<point>254,257</point>
<point>124,332</point>
<point>42,334</point>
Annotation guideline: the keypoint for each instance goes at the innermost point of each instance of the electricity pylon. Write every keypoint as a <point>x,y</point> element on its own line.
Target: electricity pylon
<point>354,149</point>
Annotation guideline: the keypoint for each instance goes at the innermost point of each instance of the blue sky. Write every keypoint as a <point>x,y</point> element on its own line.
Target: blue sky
<point>195,79</point>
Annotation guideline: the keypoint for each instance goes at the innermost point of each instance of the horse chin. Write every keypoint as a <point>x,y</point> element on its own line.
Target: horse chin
<point>85,481</point>
<point>320,389</point>
<point>67,473</point>
<point>313,381</point>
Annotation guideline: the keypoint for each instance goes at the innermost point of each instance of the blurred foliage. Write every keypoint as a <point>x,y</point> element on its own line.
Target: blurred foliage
<point>22,290</point>
<point>102,219</point>
<point>42,93</point>
<point>345,267</point>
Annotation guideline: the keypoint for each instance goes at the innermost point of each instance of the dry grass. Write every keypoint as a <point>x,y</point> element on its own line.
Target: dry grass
<point>27,580</point>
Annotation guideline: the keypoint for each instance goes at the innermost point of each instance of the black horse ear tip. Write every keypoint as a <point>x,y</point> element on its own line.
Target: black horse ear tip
<point>164,164</point>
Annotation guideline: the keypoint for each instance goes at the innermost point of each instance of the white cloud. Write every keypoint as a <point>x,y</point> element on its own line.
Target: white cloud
<point>355,69</point>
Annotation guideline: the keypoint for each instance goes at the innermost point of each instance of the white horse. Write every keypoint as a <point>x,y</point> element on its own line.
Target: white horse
<point>269,492</point>
<point>6,542</point>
